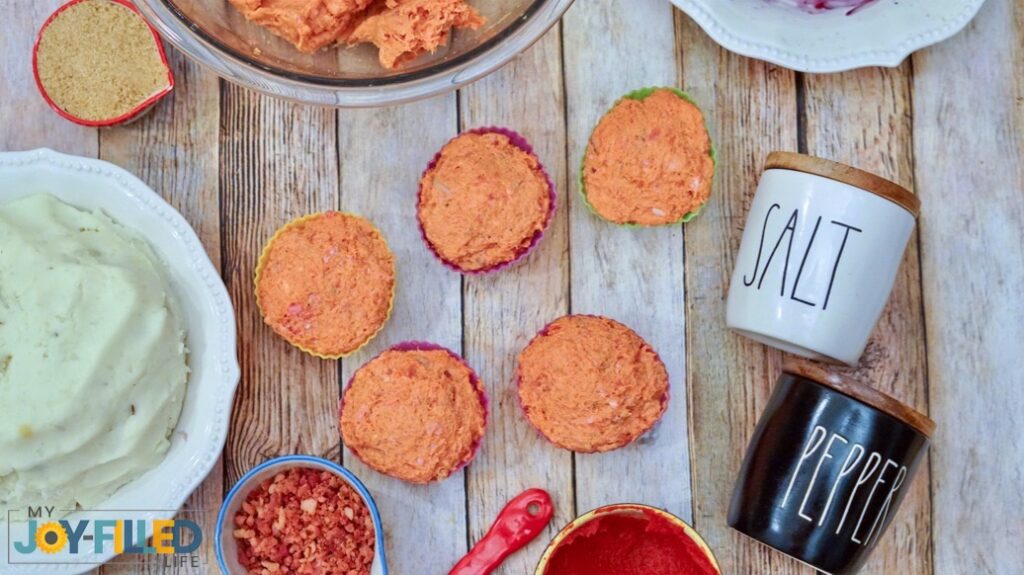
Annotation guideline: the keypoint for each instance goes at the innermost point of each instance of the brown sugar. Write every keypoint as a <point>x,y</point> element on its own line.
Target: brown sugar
<point>98,60</point>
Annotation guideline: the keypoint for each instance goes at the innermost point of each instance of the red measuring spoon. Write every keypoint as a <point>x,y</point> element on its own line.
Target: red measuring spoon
<point>518,523</point>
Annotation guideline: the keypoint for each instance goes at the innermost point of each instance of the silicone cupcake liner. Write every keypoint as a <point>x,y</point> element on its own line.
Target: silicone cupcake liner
<point>640,95</point>
<point>519,382</point>
<point>520,142</point>
<point>125,118</point>
<point>473,378</point>
<point>261,262</point>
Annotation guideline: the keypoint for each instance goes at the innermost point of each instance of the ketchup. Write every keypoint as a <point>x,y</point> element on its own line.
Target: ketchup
<point>629,543</point>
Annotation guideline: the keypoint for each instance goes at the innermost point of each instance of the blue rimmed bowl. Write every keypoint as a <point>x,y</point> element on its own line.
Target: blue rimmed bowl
<point>227,546</point>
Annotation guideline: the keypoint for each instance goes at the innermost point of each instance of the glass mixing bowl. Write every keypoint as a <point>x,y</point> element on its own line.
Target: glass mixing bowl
<point>216,35</point>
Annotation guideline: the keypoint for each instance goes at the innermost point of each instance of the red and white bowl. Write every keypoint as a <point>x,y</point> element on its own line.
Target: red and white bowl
<point>133,114</point>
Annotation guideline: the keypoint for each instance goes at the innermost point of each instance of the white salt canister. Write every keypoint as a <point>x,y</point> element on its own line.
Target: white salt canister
<point>819,256</point>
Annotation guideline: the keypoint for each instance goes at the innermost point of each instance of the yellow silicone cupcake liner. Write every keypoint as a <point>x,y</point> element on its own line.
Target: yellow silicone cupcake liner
<point>261,263</point>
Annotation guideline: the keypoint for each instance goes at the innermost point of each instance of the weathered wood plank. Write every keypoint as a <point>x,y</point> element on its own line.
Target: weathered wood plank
<point>176,151</point>
<point>863,118</point>
<point>503,311</point>
<point>751,107</point>
<point>383,153</point>
<point>969,152</point>
<point>278,162</point>
<point>27,121</point>
<point>632,275</point>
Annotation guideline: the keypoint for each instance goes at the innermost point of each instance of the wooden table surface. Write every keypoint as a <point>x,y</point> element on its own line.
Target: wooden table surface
<point>948,123</point>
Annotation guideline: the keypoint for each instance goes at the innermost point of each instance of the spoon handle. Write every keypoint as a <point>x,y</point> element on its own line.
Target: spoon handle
<point>518,523</point>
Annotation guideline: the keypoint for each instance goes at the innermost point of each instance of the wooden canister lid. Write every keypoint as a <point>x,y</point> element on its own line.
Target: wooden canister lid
<point>866,181</point>
<point>848,386</point>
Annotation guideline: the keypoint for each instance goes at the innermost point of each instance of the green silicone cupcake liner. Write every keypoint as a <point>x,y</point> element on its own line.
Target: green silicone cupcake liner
<point>640,95</point>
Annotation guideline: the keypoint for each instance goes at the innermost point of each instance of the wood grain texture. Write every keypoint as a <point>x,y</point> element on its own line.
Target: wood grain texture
<point>949,124</point>
<point>279,162</point>
<point>969,152</point>
<point>425,525</point>
<point>503,311</point>
<point>751,109</point>
<point>863,118</point>
<point>631,275</point>
<point>28,122</point>
<point>175,150</point>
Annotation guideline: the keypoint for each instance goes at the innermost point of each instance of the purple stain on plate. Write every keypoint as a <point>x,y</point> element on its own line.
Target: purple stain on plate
<point>815,6</point>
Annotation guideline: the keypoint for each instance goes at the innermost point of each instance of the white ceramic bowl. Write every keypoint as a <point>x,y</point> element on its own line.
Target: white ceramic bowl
<point>208,316</point>
<point>880,34</point>
<point>227,545</point>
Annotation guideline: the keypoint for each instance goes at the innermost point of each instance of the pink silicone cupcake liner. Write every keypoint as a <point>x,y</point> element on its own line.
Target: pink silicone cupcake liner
<point>520,142</point>
<point>474,379</point>
<point>544,331</point>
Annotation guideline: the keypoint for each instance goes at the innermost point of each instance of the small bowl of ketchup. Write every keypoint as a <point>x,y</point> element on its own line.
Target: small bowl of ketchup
<point>627,539</point>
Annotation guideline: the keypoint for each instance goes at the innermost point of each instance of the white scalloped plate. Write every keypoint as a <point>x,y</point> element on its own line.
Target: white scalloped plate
<point>199,437</point>
<point>880,34</point>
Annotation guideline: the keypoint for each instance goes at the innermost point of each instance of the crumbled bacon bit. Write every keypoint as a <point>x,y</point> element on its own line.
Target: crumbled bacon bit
<point>304,522</point>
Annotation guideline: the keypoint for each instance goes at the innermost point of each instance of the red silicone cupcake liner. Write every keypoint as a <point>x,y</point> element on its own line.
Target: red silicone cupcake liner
<point>544,331</point>
<point>520,142</point>
<point>473,378</point>
<point>136,112</point>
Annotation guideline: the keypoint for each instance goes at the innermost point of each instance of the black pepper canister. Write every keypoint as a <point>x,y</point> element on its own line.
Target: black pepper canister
<point>829,463</point>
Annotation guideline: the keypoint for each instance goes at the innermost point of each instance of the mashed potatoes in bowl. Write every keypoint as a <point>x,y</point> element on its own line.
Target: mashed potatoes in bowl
<point>118,358</point>
<point>92,356</point>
